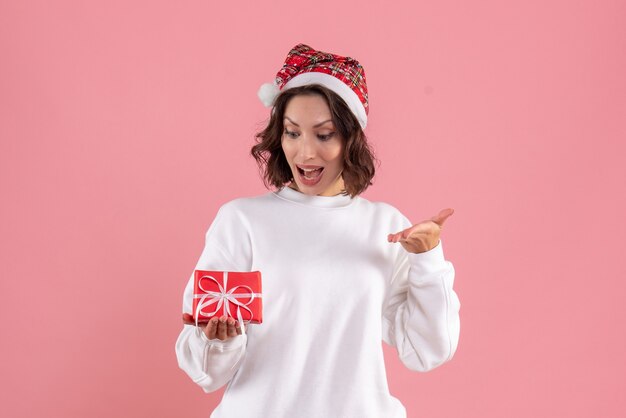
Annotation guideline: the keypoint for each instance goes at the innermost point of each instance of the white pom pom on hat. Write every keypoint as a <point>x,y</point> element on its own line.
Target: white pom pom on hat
<point>268,93</point>
<point>304,65</point>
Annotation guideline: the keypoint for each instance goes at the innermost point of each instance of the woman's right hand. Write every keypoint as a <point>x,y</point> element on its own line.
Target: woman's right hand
<point>221,328</point>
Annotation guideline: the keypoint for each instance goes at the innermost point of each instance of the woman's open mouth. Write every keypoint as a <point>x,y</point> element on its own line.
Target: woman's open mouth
<point>310,177</point>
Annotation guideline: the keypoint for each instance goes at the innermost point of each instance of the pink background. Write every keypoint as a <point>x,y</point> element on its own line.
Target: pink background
<point>125,125</point>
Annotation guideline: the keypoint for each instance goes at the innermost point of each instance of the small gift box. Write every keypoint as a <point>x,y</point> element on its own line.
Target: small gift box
<point>236,294</point>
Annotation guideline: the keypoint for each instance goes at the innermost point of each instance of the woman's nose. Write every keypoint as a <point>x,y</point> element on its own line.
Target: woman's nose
<point>307,149</point>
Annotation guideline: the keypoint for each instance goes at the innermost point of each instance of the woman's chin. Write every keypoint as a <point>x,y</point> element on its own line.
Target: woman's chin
<point>317,188</point>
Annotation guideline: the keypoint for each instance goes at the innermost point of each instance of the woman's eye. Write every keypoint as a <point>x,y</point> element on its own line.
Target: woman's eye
<point>290,134</point>
<point>294,135</point>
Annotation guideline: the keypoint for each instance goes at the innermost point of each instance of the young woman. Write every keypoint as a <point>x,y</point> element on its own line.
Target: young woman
<point>335,280</point>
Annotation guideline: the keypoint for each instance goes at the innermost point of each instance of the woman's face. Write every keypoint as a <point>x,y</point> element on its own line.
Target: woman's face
<point>310,141</point>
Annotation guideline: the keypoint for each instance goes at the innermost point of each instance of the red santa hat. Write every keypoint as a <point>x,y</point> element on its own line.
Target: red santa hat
<point>304,65</point>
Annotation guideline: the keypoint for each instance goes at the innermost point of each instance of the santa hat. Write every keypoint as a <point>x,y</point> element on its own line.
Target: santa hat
<point>304,65</point>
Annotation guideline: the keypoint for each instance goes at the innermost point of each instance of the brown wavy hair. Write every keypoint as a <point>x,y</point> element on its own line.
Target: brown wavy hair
<point>358,158</point>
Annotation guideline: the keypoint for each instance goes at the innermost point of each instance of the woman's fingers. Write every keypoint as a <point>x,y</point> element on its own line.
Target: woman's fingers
<point>402,235</point>
<point>441,217</point>
<point>232,332</point>
<point>211,329</point>
<point>221,328</point>
<point>422,227</point>
<point>394,237</point>
<point>188,319</point>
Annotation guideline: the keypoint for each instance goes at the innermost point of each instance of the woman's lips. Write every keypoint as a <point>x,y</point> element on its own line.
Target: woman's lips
<point>311,178</point>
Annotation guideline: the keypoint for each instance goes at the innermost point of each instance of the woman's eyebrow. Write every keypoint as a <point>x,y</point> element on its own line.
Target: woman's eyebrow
<point>315,126</point>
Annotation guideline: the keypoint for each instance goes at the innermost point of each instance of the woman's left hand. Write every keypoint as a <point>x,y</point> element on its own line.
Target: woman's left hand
<point>423,236</point>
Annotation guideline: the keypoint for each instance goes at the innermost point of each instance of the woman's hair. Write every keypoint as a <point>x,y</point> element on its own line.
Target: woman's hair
<point>358,159</point>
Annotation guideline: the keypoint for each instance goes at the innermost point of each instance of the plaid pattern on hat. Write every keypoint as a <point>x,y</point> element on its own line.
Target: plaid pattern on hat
<point>303,59</point>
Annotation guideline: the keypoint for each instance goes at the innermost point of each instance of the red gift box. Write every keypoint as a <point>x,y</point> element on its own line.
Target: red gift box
<point>236,294</point>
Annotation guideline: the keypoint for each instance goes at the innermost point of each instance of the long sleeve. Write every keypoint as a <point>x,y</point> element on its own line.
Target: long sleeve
<point>421,313</point>
<point>211,363</point>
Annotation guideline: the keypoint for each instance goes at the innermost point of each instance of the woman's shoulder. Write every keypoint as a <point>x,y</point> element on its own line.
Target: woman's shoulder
<point>247,203</point>
<point>385,209</point>
<point>379,205</point>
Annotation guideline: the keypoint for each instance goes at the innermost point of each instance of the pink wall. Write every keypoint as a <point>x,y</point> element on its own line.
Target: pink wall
<point>125,125</point>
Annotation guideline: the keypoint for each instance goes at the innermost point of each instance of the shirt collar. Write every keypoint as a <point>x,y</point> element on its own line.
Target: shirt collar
<point>295,196</point>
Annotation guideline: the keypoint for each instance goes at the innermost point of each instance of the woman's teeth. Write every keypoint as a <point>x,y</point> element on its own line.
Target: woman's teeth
<point>311,173</point>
